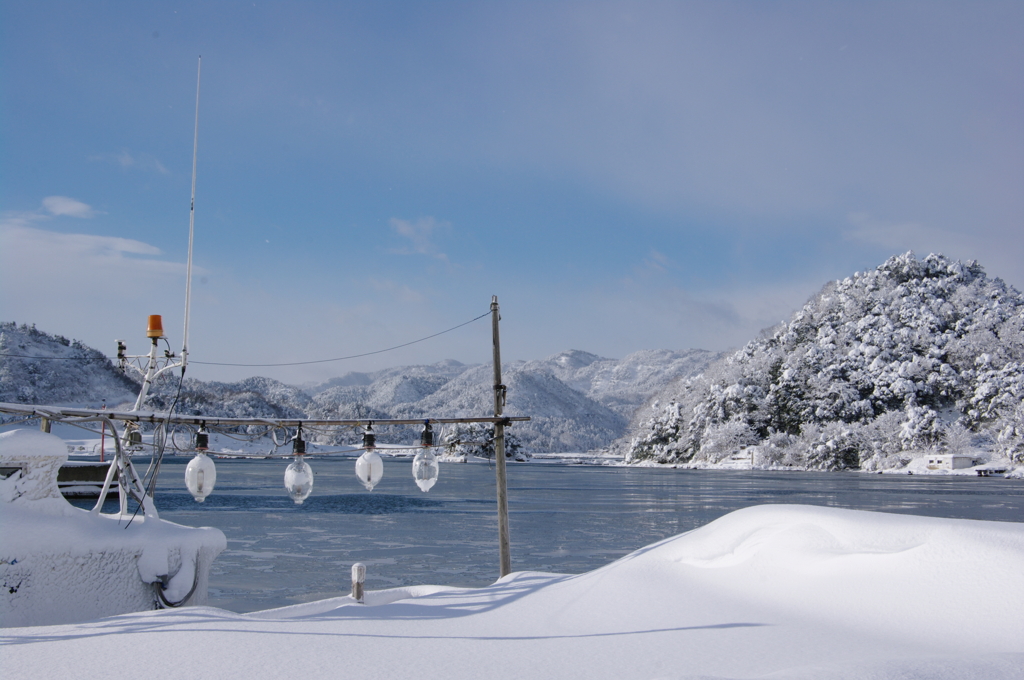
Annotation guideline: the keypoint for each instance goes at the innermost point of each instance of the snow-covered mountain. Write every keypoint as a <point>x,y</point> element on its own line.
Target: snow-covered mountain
<point>577,401</point>
<point>39,368</point>
<point>915,354</point>
<point>623,385</point>
<point>563,418</point>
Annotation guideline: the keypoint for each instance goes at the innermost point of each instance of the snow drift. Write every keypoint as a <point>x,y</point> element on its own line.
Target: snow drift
<point>786,591</point>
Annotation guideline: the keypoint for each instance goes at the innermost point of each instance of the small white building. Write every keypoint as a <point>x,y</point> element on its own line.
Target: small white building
<point>949,461</point>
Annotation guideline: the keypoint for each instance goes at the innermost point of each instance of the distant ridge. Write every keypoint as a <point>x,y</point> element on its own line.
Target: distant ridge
<point>578,401</point>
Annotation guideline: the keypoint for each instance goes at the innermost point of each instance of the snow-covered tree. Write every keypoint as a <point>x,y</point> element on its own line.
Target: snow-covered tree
<point>1010,435</point>
<point>833,446</point>
<point>723,439</point>
<point>957,438</point>
<point>477,439</point>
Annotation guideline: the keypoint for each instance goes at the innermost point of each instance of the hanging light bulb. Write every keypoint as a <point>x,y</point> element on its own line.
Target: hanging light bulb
<point>298,480</point>
<point>369,466</point>
<point>425,469</point>
<point>369,469</point>
<point>424,465</point>
<point>201,473</point>
<point>298,476</point>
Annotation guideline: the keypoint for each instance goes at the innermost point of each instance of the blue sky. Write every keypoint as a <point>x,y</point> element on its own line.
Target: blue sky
<point>623,176</point>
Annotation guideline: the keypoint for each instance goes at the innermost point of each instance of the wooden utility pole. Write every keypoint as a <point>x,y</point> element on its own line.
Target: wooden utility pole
<point>499,446</point>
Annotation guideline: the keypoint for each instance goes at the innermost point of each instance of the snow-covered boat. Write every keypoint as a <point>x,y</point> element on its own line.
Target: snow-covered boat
<point>62,564</point>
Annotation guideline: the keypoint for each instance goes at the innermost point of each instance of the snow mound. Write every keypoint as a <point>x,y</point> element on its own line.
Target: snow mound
<point>905,575</point>
<point>32,458</point>
<point>775,591</point>
<point>31,444</point>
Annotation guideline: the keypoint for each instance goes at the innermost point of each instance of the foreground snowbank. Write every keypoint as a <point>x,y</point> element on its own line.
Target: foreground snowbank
<point>792,591</point>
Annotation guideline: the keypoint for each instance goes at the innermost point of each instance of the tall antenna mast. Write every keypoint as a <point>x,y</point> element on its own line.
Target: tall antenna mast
<point>191,225</point>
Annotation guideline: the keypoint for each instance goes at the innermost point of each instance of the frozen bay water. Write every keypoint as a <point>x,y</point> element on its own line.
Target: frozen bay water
<point>563,518</point>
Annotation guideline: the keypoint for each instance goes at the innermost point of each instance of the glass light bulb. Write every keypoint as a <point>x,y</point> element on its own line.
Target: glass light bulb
<point>425,469</point>
<point>200,476</point>
<point>298,480</point>
<point>369,469</point>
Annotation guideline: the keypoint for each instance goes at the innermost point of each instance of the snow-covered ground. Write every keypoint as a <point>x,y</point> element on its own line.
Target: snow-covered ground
<point>986,462</point>
<point>769,591</point>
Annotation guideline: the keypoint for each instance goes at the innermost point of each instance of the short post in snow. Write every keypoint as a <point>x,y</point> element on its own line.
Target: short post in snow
<point>358,578</point>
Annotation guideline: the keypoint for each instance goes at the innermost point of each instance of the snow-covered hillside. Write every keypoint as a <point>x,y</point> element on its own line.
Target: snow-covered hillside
<point>916,354</point>
<point>563,419</point>
<point>69,373</point>
<point>623,385</point>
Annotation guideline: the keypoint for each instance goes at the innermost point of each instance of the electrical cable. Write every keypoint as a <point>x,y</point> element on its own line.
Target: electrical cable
<point>151,487</point>
<point>28,356</point>
<point>159,586</point>
<point>293,363</point>
<point>149,490</point>
<point>19,421</point>
<point>353,356</point>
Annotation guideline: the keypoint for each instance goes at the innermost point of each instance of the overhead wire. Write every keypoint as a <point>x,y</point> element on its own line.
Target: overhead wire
<point>291,363</point>
<point>351,356</point>
<point>29,356</point>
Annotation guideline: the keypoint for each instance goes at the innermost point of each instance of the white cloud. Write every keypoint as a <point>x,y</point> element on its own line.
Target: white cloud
<point>32,255</point>
<point>69,265</point>
<point>51,206</point>
<point>717,320</point>
<point>398,291</point>
<point>64,205</point>
<point>656,262</point>
<point>421,235</point>
<point>94,288</point>
<point>81,283</point>
<point>126,159</point>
